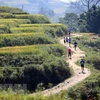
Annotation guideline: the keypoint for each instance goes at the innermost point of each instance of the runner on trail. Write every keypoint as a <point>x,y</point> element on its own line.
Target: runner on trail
<point>82,62</point>
<point>64,39</point>
<point>89,97</point>
<point>75,45</point>
<point>69,32</point>
<point>69,40</point>
<point>69,53</point>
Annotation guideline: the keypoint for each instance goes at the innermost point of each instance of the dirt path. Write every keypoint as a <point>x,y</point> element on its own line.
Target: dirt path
<point>77,76</point>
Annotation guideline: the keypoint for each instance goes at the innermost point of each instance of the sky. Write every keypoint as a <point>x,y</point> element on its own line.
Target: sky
<point>68,0</point>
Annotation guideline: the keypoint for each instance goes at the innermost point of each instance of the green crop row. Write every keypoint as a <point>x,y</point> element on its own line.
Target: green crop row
<point>26,29</point>
<point>12,19</point>
<point>6,15</point>
<point>2,36</point>
<point>26,49</point>
<point>36,18</point>
<point>19,21</point>
<point>25,39</point>
<point>42,25</point>
<point>51,30</point>
<point>12,23</point>
<point>5,9</point>
<point>22,16</point>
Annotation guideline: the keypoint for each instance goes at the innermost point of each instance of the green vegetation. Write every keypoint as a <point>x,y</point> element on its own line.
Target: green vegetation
<point>33,65</point>
<point>6,15</point>
<point>4,9</point>
<point>71,21</point>
<point>42,25</point>
<point>92,53</point>
<point>13,22</point>
<point>26,29</point>
<point>39,19</point>
<point>13,17</point>
<point>10,96</point>
<point>30,55</point>
<point>91,86</point>
<point>29,39</point>
<point>4,28</point>
<point>87,21</point>
<point>90,21</point>
<point>29,52</point>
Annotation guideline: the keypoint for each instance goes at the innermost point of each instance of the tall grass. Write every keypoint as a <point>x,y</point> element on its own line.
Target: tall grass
<point>13,96</point>
<point>26,49</point>
<point>5,9</point>
<point>20,34</point>
<point>27,29</point>
<point>6,15</point>
<point>18,21</point>
<point>41,25</point>
<point>13,22</point>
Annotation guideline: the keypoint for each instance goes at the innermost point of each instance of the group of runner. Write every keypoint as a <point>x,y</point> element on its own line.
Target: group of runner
<point>68,40</point>
<point>82,61</point>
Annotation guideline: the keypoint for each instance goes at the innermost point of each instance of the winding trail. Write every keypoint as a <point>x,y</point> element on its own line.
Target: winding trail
<point>77,76</point>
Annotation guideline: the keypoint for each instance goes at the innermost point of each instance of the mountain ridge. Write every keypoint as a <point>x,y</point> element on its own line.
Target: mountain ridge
<point>54,9</point>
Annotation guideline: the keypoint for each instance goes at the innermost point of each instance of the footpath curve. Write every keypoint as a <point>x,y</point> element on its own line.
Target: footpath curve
<point>77,77</point>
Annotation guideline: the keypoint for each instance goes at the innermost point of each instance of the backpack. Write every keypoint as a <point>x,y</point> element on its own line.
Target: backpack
<point>82,62</point>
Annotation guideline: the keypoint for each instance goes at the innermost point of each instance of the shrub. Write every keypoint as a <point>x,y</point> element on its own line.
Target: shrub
<point>4,29</point>
<point>6,15</point>
<point>14,22</point>
<point>60,30</point>
<point>33,68</point>
<point>5,9</point>
<point>39,19</point>
<point>15,40</point>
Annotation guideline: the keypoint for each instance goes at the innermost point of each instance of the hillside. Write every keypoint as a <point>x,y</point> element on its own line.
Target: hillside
<point>27,45</point>
<point>30,54</point>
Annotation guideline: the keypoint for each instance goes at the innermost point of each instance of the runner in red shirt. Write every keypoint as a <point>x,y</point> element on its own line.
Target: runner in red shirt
<point>69,53</point>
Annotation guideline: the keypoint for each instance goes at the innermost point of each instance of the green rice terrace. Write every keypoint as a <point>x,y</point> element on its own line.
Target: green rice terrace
<point>29,51</point>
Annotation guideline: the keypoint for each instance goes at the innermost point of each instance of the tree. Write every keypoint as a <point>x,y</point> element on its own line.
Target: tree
<point>86,3</point>
<point>71,20</point>
<point>91,24</point>
<point>94,22</point>
<point>82,23</point>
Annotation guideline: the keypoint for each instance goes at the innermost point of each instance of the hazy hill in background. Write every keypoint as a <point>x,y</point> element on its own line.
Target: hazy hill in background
<point>52,8</point>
